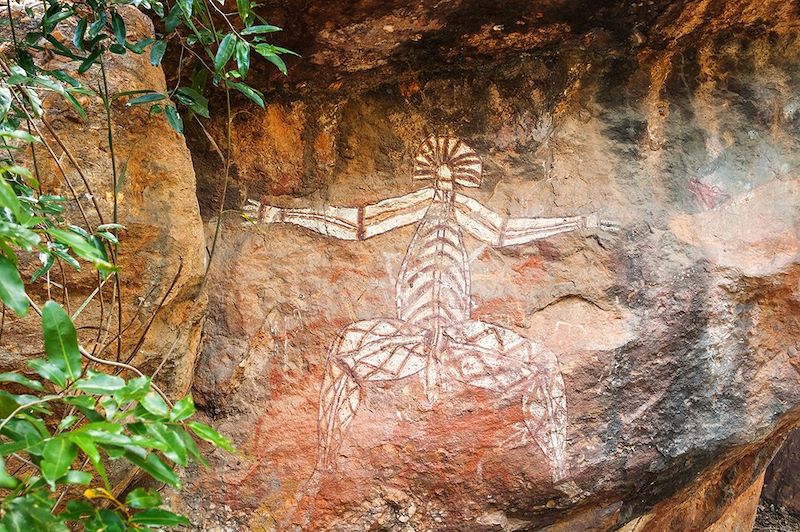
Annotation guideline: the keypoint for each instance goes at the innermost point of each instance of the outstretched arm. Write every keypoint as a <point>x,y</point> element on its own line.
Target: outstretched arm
<point>496,230</point>
<point>348,223</point>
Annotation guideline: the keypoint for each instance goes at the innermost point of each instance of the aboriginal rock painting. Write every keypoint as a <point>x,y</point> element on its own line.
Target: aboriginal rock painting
<point>433,335</point>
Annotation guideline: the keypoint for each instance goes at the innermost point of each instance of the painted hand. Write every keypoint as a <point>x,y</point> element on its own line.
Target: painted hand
<point>609,226</point>
<point>593,221</point>
<point>254,212</point>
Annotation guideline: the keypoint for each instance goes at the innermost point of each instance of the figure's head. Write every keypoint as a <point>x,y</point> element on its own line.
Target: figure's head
<point>447,161</point>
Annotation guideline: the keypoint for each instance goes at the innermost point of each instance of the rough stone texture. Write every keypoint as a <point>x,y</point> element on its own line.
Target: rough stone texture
<point>157,205</point>
<point>782,481</point>
<point>677,336</point>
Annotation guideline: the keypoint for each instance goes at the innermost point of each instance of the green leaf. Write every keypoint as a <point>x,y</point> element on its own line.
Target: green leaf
<point>108,236</point>
<point>61,340</point>
<point>153,403</point>
<point>280,50</point>
<point>59,453</point>
<point>250,92</point>
<point>60,49</point>
<point>8,198</point>
<point>159,517</point>
<point>80,32</point>
<point>105,521</point>
<point>66,257</point>
<point>191,446</point>
<point>118,27</point>
<point>264,28</point>
<point>194,100</point>
<point>100,383</point>
<point>245,12</point>
<point>12,291</point>
<point>69,80</point>
<point>75,105</point>
<point>225,52</point>
<point>186,6</point>
<point>30,512</point>
<point>97,26</point>
<point>6,481</point>
<point>210,435</point>
<point>50,22</point>
<point>152,465</point>
<point>139,46</point>
<point>82,401</point>
<point>25,60</point>
<point>90,450</point>
<point>157,52</point>
<point>20,135</point>
<point>134,390</point>
<point>110,227</point>
<point>104,437</point>
<point>77,510</point>
<point>278,62</point>
<point>67,422</point>
<point>173,18</point>
<point>183,409</point>
<point>109,405</point>
<point>243,58</point>
<point>145,99</point>
<point>23,380</point>
<point>78,477</point>
<point>49,371</point>
<point>143,498</point>
<point>22,236</point>
<point>173,118</point>
<point>83,247</point>
<point>175,449</point>
<point>89,61</point>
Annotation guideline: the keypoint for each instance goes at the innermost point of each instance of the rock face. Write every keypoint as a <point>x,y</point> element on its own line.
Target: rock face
<point>676,336</point>
<point>781,484</point>
<point>162,245</point>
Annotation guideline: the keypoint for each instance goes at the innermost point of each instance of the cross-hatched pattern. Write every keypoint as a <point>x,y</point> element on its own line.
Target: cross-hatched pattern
<point>382,349</point>
<point>495,358</point>
<point>545,408</point>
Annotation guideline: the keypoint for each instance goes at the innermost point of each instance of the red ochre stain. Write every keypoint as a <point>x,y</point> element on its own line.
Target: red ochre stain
<point>507,307</point>
<point>338,273</point>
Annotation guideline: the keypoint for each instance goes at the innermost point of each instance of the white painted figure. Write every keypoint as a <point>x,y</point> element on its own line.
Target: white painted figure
<point>433,335</point>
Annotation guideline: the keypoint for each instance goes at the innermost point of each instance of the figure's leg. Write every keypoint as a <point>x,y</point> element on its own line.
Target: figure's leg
<point>498,359</point>
<point>370,350</point>
<point>338,401</point>
<point>545,407</point>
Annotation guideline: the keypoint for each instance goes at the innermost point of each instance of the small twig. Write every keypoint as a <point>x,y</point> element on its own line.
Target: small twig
<point>128,326</point>
<point>140,343</point>
<point>75,165</point>
<point>89,298</point>
<point>218,227</point>
<point>211,140</point>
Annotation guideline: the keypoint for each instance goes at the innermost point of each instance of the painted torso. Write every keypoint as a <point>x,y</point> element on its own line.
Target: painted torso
<point>433,284</point>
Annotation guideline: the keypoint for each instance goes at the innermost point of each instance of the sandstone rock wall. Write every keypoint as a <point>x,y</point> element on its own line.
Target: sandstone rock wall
<point>781,484</point>
<point>676,336</point>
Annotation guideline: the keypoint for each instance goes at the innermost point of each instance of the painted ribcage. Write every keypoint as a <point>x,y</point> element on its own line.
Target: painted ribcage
<point>433,284</point>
